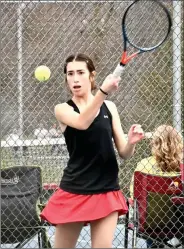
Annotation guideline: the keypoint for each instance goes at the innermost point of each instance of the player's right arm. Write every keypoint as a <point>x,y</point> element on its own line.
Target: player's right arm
<point>81,121</point>
<point>66,115</point>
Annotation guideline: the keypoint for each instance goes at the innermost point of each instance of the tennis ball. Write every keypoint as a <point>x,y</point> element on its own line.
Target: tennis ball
<point>42,73</point>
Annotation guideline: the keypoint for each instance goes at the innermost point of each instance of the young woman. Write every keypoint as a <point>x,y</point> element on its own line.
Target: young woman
<point>89,190</point>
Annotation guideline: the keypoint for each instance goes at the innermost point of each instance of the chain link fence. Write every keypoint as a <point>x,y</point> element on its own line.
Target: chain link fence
<point>37,33</point>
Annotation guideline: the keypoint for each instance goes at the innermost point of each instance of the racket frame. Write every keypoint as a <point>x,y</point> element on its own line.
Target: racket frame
<point>125,58</point>
<point>125,37</point>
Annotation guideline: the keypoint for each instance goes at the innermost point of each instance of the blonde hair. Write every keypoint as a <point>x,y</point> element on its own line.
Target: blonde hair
<point>167,146</point>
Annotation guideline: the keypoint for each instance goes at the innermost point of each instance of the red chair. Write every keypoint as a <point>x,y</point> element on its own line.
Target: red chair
<point>155,213</point>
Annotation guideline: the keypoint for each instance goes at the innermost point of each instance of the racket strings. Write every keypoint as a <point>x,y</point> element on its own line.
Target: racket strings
<point>146,24</point>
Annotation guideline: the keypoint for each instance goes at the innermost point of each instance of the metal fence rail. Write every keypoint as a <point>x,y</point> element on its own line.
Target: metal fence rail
<point>37,33</point>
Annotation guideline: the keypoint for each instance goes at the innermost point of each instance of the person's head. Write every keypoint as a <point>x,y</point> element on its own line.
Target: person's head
<point>80,72</point>
<point>167,148</point>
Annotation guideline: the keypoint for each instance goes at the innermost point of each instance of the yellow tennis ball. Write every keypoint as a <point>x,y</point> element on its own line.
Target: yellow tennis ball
<point>42,73</point>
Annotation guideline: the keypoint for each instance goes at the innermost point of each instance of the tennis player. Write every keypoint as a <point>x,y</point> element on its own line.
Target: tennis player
<point>89,191</point>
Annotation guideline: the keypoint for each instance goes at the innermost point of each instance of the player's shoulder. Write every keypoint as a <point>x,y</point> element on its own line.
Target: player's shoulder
<point>110,105</point>
<point>62,107</point>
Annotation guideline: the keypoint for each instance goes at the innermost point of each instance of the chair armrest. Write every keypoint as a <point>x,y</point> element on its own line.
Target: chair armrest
<point>178,200</point>
<point>50,186</point>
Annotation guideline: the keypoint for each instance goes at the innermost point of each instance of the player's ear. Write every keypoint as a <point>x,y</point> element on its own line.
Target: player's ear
<point>92,79</point>
<point>93,73</point>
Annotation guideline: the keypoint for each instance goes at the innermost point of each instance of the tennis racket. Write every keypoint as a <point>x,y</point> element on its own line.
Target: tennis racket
<point>145,26</point>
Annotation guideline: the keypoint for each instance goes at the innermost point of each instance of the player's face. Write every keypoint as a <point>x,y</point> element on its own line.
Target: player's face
<point>78,78</point>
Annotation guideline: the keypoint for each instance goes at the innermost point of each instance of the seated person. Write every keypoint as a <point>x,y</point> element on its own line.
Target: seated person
<point>167,153</point>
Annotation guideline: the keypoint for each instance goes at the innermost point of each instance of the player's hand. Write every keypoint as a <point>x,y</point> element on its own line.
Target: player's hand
<point>110,83</point>
<point>135,134</point>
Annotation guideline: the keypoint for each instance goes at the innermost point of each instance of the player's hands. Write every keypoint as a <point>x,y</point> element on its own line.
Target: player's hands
<point>135,134</point>
<point>110,83</point>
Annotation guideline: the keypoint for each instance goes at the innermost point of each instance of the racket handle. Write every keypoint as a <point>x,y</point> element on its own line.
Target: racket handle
<point>118,70</point>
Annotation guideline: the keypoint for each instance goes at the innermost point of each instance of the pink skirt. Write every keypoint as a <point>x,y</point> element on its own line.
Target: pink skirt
<point>65,207</point>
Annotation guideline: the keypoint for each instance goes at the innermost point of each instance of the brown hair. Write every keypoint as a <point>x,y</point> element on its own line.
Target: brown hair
<point>167,146</point>
<point>89,63</point>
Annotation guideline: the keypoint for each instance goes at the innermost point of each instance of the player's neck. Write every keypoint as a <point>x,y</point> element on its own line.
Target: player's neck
<point>83,100</point>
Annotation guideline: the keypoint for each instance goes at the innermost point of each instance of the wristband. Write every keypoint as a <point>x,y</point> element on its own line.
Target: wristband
<point>103,91</point>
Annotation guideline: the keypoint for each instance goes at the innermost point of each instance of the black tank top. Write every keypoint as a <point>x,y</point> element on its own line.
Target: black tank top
<point>92,167</point>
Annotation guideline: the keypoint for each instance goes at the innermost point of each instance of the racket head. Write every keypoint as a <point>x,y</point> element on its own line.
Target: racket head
<point>144,30</point>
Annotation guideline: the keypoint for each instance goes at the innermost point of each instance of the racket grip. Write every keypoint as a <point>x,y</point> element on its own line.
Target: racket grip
<point>118,70</point>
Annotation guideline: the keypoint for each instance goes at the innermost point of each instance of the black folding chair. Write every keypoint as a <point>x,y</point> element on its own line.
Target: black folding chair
<point>21,189</point>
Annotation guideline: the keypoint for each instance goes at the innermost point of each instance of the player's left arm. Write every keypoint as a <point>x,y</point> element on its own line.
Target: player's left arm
<point>125,147</point>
